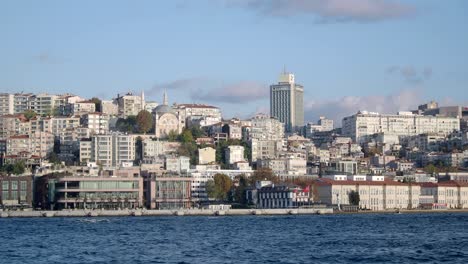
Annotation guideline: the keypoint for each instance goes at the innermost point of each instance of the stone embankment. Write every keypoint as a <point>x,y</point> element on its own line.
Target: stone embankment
<point>143,212</point>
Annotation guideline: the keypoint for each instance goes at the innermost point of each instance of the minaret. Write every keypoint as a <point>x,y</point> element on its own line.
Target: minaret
<point>165,98</point>
<point>142,100</point>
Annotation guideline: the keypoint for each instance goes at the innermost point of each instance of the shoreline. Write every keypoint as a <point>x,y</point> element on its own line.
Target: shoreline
<point>206,212</point>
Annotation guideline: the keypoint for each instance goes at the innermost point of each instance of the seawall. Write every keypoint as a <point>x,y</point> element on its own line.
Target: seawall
<point>144,212</point>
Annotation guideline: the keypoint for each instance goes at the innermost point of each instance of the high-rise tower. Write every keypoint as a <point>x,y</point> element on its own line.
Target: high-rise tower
<point>287,102</point>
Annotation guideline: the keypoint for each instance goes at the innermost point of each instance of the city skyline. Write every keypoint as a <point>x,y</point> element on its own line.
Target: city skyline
<point>372,55</point>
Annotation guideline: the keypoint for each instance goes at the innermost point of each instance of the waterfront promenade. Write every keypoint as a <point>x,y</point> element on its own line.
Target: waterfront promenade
<point>144,212</point>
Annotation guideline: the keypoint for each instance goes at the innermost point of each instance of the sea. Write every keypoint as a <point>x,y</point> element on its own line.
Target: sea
<point>342,238</point>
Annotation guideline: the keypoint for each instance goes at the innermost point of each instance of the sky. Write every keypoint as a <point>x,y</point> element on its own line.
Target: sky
<point>350,55</point>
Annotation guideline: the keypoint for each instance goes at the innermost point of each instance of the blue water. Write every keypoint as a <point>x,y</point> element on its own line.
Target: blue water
<point>365,238</point>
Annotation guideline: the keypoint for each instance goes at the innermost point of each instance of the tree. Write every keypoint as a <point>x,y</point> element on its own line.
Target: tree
<point>197,132</point>
<point>263,174</point>
<point>239,192</point>
<point>16,168</point>
<point>144,121</point>
<point>186,136</point>
<point>53,158</point>
<point>29,114</point>
<point>219,187</point>
<point>97,102</point>
<point>126,124</point>
<point>172,136</point>
<point>354,197</point>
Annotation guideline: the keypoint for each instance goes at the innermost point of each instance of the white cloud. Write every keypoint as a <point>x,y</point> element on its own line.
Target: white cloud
<point>330,10</point>
<point>338,108</point>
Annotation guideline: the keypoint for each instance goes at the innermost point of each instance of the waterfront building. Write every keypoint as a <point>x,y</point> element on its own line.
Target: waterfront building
<point>16,191</point>
<point>203,173</point>
<point>282,196</point>
<point>95,192</point>
<point>168,191</point>
<point>364,123</point>
<point>287,102</point>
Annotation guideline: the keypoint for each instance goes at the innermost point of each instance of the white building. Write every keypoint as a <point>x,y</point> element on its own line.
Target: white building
<point>98,123</point>
<point>112,150</point>
<point>7,106</point>
<point>109,107</point>
<point>364,123</point>
<point>177,164</point>
<point>130,104</point>
<point>234,154</point>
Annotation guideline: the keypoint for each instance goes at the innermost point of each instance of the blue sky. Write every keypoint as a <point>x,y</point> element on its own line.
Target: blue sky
<point>379,55</point>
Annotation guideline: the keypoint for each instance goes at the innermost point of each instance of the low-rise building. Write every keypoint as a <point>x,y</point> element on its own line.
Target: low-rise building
<point>282,196</point>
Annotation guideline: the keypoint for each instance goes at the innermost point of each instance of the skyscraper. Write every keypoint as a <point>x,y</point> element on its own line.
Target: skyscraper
<point>287,102</point>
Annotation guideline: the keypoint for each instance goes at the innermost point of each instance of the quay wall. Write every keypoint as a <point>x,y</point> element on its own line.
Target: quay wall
<point>144,212</point>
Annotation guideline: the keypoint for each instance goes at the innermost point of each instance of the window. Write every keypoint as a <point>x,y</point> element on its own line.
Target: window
<point>24,185</point>
<point>6,185</point>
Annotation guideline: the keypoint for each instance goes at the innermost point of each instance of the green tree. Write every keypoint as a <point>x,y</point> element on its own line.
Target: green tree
<point>197,132</point>
<point>126,124</point>
<point>144,121</point>
<point>239,192</point>
<point>29,114</point>
<point>172,136</point>
<point>354,197</point>
<point>53,158</point>
<point>186,136</point>
<point>16,168</point>
<point>97,102</point>
<point>219,187</point>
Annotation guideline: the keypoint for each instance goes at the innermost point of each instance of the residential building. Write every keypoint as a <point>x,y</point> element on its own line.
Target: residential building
<point>153,148</point>
<point>16,124</point>
<point>234,154</point>
<point>82,107</point>
<point>177,164</point>
<point>110,108</point>
<point>287,102</point>
<point>22,102</point>
<point>206,155</point>
<point>7,106</point>
<point>112,150</point>
<point>97,123</point>
<point>129,104</point>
